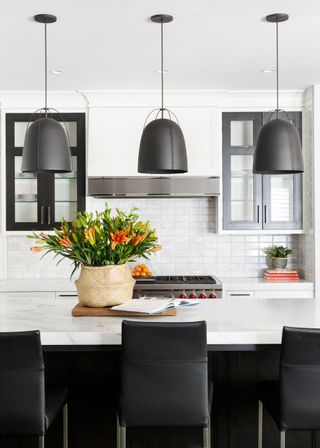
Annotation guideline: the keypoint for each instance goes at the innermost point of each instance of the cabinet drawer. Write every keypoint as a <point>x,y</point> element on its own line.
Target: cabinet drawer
<point>233,294</point>
<point>291,294</point>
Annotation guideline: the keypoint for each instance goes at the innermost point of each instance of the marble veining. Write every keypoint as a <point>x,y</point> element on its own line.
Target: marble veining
<point>232,321</point>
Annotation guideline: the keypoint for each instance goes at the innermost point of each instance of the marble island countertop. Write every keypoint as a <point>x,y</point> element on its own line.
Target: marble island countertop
<point>239,322</point>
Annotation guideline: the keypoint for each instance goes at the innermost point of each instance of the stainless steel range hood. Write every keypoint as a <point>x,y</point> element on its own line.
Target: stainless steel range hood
<point>151,187</point>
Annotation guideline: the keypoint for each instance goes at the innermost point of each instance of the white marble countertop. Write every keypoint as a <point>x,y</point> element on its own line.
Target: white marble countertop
<point>229,283</point>
<point>240,321</point>
<point>37,285</point>
<point>259,283</point>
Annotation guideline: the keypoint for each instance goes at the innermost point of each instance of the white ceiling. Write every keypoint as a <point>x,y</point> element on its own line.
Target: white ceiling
<point>112,44</point>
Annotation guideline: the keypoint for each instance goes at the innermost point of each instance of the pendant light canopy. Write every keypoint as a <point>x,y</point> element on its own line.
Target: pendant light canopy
<point>46,147</point>
<point>278,149</point>
<point>162,146</point>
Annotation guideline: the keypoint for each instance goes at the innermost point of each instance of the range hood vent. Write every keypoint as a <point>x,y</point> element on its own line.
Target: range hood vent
<point>152,187</point>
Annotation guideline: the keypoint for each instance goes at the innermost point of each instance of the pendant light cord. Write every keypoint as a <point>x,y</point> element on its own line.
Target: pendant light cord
<point>45,72</point>
<point>161,69</point>
<point>277,65</point>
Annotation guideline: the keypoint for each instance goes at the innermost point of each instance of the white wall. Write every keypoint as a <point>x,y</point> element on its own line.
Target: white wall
<point>307,241</point>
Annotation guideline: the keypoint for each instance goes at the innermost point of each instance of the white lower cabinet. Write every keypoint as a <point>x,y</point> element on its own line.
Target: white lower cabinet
<point>292,294</point>
<point>270,294</point>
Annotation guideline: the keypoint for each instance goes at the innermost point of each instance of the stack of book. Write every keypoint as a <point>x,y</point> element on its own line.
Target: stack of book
<point>281,275</point>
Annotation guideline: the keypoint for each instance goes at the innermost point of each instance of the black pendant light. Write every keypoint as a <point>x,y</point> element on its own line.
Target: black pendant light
<point>162,146</point>
<point>278,149</point>
<point>46,147</point>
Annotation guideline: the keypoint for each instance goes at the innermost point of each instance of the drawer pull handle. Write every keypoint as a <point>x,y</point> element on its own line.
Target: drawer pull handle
<point>67,295</point>
<point>49,215</point>
<point>241,294</point>
<point>42,214</point>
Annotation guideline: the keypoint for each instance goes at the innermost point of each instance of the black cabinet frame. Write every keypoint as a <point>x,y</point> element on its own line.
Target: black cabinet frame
<point>261,183</point>
<point>45,182</point>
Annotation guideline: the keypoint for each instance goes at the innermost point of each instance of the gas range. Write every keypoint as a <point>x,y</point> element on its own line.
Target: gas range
<point>179,286</point>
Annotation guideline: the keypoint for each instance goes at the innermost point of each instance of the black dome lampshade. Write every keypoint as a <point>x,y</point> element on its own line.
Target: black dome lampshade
<point>278,149</point>
<point>162,146</point>
<point>46,148</point>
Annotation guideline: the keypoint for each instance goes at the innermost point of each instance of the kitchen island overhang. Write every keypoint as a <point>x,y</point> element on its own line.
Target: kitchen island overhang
<point>239,324</point>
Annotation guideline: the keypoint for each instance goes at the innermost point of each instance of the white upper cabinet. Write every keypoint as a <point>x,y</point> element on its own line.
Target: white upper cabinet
<point>201,128</point>
<point>114,138</point>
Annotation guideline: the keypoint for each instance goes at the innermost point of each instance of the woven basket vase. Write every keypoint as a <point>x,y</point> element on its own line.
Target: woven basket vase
<point>100,286</point>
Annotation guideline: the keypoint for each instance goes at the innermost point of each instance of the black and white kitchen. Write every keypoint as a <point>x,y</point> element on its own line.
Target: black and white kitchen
<point>159,233</point>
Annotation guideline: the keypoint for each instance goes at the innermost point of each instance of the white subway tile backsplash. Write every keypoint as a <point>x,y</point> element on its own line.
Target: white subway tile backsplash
<point>186,230</point>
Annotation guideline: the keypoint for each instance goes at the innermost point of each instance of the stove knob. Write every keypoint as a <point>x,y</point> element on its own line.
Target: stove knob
<point>183,295</point>
<point>202,295</point>
<point>193,295</point>
<point>213,295</point>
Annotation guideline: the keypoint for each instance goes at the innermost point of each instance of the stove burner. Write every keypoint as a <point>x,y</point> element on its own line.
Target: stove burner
<point>178,279</point>
<point>169,279</point>
<point>205,279</point>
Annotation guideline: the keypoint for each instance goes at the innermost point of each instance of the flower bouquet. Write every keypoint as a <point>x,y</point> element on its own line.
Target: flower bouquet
<point>101,244</point>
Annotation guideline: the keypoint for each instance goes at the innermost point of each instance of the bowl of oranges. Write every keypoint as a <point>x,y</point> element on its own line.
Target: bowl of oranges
<point>141,270</point>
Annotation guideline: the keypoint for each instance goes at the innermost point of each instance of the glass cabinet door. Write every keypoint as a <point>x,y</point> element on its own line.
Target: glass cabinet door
<point>242,192</point>
<point>65,194</point>
<point>282,201</point>
<point>38,202</point>
<point>26,194</point>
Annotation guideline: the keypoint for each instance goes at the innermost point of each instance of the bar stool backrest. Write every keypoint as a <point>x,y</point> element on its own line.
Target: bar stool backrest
<point>300,378</point>
<point>164,374</point>
<point>21,383</point>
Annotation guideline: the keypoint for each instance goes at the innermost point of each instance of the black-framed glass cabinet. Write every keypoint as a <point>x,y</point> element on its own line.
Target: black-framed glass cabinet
<point>40,201</point>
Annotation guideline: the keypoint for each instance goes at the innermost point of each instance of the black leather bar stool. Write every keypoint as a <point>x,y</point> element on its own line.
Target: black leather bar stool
<point>164,377</point>
<point>294,401</point>
<point>26,406</point>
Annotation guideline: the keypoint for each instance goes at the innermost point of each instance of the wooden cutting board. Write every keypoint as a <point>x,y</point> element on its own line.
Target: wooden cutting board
<point>80,311</point>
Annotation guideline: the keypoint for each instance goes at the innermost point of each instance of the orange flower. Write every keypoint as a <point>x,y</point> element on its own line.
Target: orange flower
<point>90,234</point>
<point>65,242</point>
<point>35,249</point>
<point>136,240</point>
<point>119,237</point>
<point>156,248</point>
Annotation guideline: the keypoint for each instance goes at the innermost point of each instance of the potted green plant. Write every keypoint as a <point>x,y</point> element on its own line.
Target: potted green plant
<point>279,256</point>
<point>101,244</point>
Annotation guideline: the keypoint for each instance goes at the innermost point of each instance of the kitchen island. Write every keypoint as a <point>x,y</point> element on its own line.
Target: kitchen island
<point>241,322</point>
<point>244,338</point>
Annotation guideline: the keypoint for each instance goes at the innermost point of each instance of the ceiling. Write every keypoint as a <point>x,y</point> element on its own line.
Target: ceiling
<point>112,44</point>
